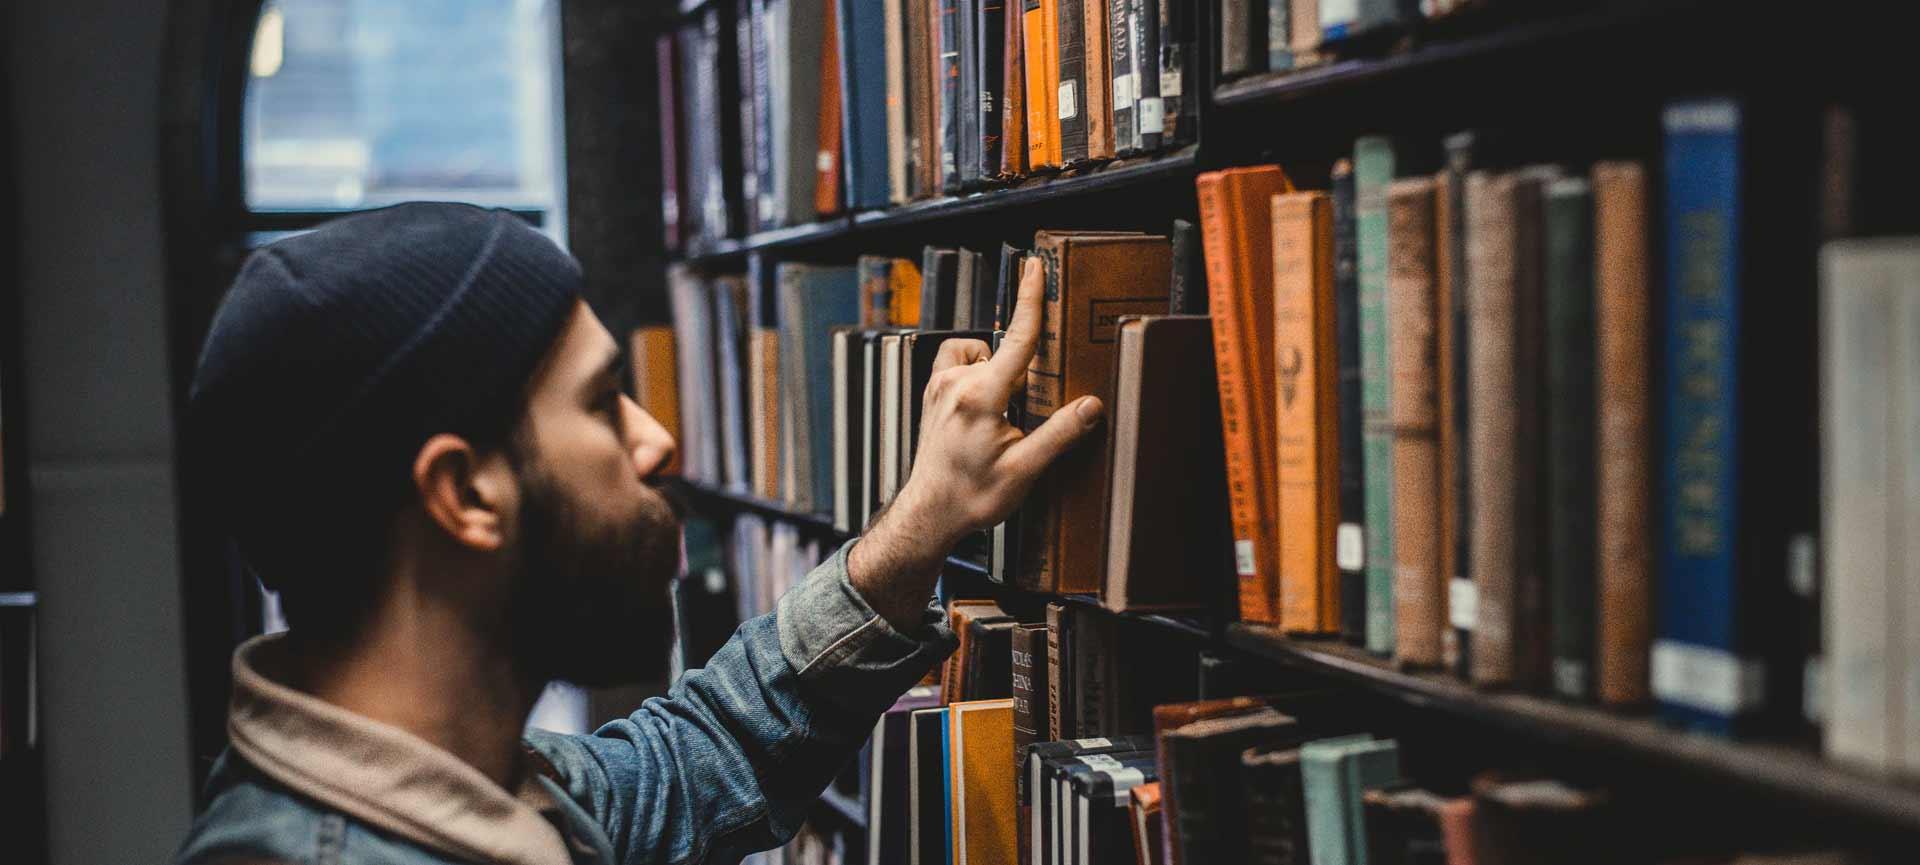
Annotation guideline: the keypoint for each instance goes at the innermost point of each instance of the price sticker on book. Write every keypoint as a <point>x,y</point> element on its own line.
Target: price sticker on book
<point>1243,558</point>
<point>1463,603</point>
<point>1349,548</point>
<point>1068,109</point>
<point>1153,113</point>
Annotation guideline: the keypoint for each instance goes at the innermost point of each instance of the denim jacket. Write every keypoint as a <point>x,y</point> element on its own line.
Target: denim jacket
<point>724,765</point>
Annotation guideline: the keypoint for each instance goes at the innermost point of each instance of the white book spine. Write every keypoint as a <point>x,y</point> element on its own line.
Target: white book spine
<point>1905,577</point>
<point>1857,510</point>
<point>842,493</point>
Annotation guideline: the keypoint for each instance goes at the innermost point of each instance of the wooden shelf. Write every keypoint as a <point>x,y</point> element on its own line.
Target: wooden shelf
<point>1182,164</point>
<point>1781,771</point>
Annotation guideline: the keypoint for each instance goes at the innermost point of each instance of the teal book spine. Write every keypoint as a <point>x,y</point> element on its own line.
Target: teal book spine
<point>1321,784</point>
<point>1363,767</point>
<point>1373,168</point>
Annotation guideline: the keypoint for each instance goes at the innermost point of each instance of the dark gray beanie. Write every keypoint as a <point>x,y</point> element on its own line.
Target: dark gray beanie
<point>339,352</point>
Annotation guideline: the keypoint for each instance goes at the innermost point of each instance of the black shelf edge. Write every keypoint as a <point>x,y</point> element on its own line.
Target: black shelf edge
<point>1778,770</point>
<point>706,496</point>
<point>1279,87</point>
<point>1193,626</point>
<point>1104,177</point>
<point>842,807</point>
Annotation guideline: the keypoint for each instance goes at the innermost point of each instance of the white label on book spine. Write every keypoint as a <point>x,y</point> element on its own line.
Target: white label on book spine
<point>1170,80</point>
<point>1463,603</point>
<point>1349,547</point>
<point>1123,91</point>
<point>1706,678</point>
<point>1100,761</point>
<point>1124,781</point>
<point>1068,110</point>
<point>1092,743</point>
<point>823,160</point>
<point>1243,558</point>
<point>1153,113</point>
<point>1801,555</point>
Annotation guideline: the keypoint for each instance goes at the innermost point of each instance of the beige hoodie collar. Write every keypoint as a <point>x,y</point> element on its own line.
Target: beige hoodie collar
<point>379,773</point>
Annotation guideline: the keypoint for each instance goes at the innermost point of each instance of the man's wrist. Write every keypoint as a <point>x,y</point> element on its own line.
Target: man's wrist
<point>894,565</point>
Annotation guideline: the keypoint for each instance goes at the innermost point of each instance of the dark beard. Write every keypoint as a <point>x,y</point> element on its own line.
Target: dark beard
<point>590,601</point>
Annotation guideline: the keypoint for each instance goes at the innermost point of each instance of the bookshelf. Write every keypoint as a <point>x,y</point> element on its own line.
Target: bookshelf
<point>1594,75</point>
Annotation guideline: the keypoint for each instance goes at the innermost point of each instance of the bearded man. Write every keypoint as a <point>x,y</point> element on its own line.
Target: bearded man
<point>418,436</point>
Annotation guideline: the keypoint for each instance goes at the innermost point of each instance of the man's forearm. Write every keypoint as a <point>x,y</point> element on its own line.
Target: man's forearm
<point>895,564</point>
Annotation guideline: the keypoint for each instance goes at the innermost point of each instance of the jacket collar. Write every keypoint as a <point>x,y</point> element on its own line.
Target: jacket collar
<point>382,774</point>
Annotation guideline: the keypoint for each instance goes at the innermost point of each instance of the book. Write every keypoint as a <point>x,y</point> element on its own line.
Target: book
<point>1063,826</point>
<point>1060,710</point>
<point>1276,815</point>
<point>751,95</point>
<point>875,273</point>
<point>922,121</point>
<point>889,815</point>
<point>1149,107</point>
<point>894,49</point>
<point>1870,312</point>
<point>1451,274</point>
<point>1243,30</point>
<point>988,671</point>
<point>673,174</point>
<point>1033,789</point>
<point>1741,399</point>
<point>763,379</point>
<point>1338,19</point>
<point>939,288</point>
<point>1306,461</point>
<point>1521,818</point>
<point>1570,435</point>
<point>691,303</point>
<point>1143,808</point>
<point>795,107</point>
<point>961,613</point>
<point>729,300</point>
<point>946,93</point>
<point>929,832</point>
<point>1303,33</point>
<point>1526,457</point>
<point>1121,59</point>
<point>828,188</point>
<point>1015,108</point>
<point>656,379</point>
<point>1167,478</point>
<point>1334,774</point>
<point>967,109</point>
<point>849,454</point>
<point>1209,810</point>
<point>1179,82</point>
<point>1491,422</point>
<point>984,816</point>
<point>1349,547</point>
<point>813,298</point>
<point>1099,83</point>
<point>1275,52</point>
<point>1101,827</point>
<point>1071,105</point>
<point>1173,716</point>
<point>1419,590</point>
<point>1028,660</point>
<point>990,71</point>
<point>863,117</point>
<point>1092,279</point>
<point>1373,170</point>
<point>1624,505</point>
<point>1236,216</point>
<point>1042,78</point>
<point>1187,295</point>
<point>903,293</point>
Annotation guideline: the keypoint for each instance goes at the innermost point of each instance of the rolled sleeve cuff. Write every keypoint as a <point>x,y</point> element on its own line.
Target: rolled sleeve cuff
<point>840,647</point>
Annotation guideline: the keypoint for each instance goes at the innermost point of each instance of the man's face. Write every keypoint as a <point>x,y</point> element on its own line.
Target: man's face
<point>596,541</point>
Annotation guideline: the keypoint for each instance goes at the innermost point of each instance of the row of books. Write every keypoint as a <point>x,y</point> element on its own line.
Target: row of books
<point>1441,389</point>
<point>778,112</point>
<point>965,772</point>
<point>816,843</point>
<point>1284,35</point>
<point>730,575</point>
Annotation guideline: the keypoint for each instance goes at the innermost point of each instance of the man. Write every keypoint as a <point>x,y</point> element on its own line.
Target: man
<point>417,430</point>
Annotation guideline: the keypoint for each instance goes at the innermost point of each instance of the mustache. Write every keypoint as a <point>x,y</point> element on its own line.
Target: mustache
<point>675,492</point>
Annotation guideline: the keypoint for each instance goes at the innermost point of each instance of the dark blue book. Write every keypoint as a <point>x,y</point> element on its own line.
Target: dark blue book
<point>863,106</point>
<point>989,68</point>
<point>813,300</point>
<point>1739,462</point>
<point>927,788</point>
<point>1350,538</point>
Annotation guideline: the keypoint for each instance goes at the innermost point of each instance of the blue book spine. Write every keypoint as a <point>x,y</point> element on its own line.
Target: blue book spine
<point>833,300</point>
<point>1700,678</point>
<point>863,108</point>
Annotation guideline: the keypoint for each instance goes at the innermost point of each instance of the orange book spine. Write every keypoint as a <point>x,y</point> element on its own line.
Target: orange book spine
<point>1040,100</point>
<point>826,187</point>
<point>1306,465</point>
<point>1050,54</point>
<point>1623,417</point>
<point>1446,339</point>
<point>1236,216</point>
<point>1099,105</point>
<point>656,383</point>
<point>1419,590</point>
<point>903,282</point>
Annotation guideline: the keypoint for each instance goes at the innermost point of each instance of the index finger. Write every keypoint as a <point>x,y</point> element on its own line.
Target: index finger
<point>1023,333</point>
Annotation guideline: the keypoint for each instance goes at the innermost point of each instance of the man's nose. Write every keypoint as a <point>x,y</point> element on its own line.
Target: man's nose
<point>652,446</point>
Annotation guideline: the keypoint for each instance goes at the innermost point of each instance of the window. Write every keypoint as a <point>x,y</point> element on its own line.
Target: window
<point>355,104</point>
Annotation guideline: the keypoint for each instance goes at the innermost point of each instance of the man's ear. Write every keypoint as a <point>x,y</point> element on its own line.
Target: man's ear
<point>465,494</point>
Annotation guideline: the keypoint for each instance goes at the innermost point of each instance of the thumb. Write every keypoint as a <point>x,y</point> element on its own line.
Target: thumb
<point>1033,454</point>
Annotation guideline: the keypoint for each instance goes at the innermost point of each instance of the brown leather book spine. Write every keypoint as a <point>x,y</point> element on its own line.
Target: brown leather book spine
<point>1623,478</point>
<point>1091,282</point>
<point>826,186</point>
<point>1419,588</point>
<point>1236,215</point>
<point>763,380</point>
<point>1492,422</point>
<point>1059,715</point>
<point>656,382</point>
<point>1303,24</point>
<point>1099,105</point>
<point>1445,224</point>
<point>1013,114</point>
<point>1306,464</point>
<point>922,161</point>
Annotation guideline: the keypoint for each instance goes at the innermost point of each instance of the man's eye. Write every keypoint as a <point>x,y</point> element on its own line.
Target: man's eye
<point>609,403</point>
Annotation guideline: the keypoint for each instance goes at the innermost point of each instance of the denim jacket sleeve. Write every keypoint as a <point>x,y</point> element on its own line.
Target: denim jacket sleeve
<point>728,762</point>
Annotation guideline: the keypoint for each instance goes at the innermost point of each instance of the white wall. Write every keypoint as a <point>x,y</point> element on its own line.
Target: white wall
<point>84,75</point>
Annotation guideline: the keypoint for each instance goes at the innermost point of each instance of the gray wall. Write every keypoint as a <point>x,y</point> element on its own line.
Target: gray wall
<point>85,75</point>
